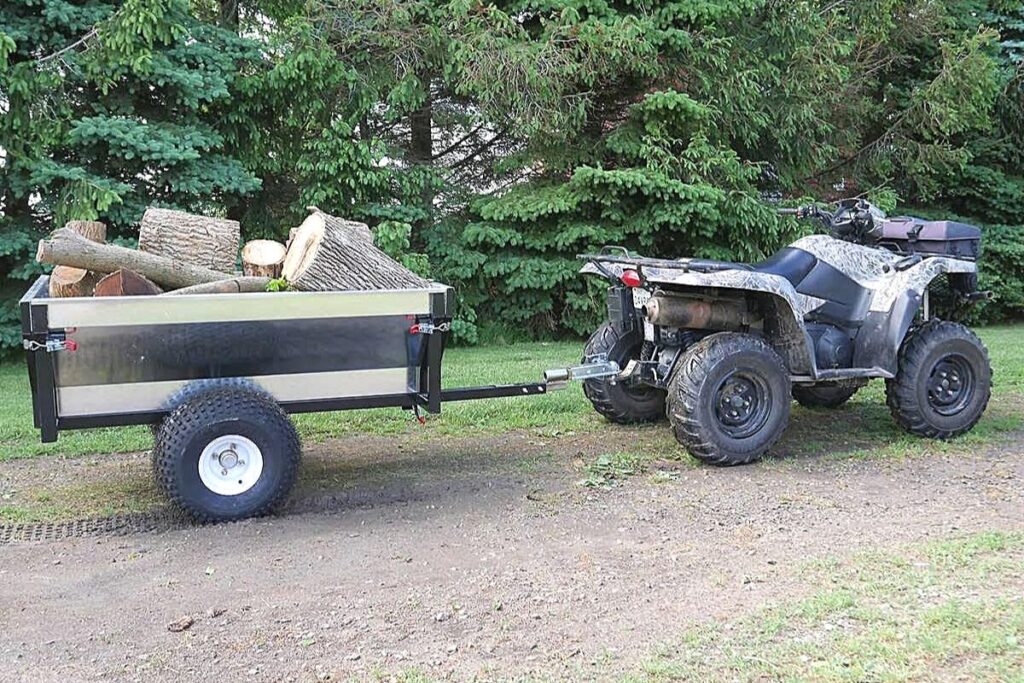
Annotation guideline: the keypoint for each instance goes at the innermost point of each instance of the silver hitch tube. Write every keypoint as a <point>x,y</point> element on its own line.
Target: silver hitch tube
<point>599,367</point>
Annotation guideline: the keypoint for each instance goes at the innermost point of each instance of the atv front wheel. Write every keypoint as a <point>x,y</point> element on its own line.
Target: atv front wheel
<point>621,402</point>
<point>943,381</point>
<point>826,394</point>
<point>728,399</point>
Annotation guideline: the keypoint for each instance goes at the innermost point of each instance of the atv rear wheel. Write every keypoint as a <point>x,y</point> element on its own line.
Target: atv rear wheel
<point>621,402</point>
<point>826,394</point>
<point>729,399</point>
<point>943,382</point>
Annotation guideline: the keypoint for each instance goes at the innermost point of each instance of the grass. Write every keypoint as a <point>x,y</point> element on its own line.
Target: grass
<point>944,611</point>
<point>560,412</point>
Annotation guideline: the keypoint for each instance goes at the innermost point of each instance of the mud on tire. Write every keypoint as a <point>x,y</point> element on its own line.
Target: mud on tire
<point>619,402</point>
<point>943,381</point>
<point>729,399</point>
<point>226,416</point>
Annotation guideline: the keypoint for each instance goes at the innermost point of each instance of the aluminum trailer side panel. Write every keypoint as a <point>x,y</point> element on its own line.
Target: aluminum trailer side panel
<point>138,357</point>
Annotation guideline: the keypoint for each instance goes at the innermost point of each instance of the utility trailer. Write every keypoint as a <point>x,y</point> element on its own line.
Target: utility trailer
<point>218,374</point>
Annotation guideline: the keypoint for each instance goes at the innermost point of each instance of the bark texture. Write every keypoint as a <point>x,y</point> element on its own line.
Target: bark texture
<point>197,240</point>
<point>331,254</point>
<point>232,286</point>
<point>123,282</point>
<point>263,258</point>
<point>67,248</point>
<point>67,281</point>
<point>92,230</point>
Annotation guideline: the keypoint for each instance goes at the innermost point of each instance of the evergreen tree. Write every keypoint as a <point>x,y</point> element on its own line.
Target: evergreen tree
<point>110,107</point>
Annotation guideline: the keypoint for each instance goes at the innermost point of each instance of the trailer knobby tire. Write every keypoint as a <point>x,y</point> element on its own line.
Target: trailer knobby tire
<point>620,402</point>
<point>216,417</point>
<point>935,353</point>
<point>710,375</point>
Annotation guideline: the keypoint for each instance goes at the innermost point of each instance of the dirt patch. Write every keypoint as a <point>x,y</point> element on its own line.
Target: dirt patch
<point>468,557</point>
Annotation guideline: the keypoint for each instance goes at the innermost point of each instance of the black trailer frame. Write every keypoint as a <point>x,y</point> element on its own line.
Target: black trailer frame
<point>131,329</point>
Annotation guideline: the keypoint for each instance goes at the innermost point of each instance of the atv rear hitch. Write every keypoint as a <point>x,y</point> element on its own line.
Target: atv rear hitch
<point>599,367</point>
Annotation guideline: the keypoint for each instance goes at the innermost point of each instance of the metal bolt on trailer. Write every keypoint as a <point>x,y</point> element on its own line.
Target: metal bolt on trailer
<point>218,374</point>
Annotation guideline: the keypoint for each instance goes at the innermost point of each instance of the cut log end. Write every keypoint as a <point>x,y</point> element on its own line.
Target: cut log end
<point>303,247</point>
<point>263,258</point>
<point>66,281</point>
<point>124,282</point>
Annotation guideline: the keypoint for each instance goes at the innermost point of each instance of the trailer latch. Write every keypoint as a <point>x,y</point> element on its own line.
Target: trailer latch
<point>53,343</point>
<point>429,328</point>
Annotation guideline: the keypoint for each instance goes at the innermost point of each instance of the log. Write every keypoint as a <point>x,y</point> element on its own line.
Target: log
<point>197,240</point>
<point>67,248</point>
<point>124,282</point>
<point>330,254</point>
<point>233,286</point>
<point>263,258</point>
<point>68,281</point>
<point>92,230</point>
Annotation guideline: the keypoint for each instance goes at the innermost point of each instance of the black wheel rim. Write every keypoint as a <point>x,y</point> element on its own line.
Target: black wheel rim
<point>950,385</point>
<point>742,404</point>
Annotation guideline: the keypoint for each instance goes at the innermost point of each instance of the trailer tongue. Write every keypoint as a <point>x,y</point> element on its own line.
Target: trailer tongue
<point>218,374</point>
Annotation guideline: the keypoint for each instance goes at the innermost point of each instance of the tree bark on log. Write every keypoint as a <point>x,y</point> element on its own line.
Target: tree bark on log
<point>198,240</point>
<point>92,230</point>
<point>67,248</point>
<point>331,254</point>
<point>263,258</point>
<point>235,285</point>
<point>123,282</point>
<point>67,281</point>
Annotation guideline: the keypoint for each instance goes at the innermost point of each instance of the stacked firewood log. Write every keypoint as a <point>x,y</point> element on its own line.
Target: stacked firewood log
<point>181,253</point>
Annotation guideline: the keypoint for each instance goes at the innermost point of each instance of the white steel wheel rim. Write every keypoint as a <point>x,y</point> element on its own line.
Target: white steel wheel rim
<point>230,465</point>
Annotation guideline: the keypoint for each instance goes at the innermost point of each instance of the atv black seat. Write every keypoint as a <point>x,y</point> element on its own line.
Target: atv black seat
<point>792,264</point>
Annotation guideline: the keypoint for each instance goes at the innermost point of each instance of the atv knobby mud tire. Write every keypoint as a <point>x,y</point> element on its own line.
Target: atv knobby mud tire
<point>227,454</point>
<point>621,402</point>
<point>943,382</point>
<point>826,394</point>
<point>729,399</point>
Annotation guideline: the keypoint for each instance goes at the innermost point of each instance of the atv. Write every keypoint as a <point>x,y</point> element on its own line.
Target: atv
<point>720,348</point>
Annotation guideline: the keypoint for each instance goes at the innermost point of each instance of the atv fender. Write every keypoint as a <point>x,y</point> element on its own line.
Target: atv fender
<point>781,305</point>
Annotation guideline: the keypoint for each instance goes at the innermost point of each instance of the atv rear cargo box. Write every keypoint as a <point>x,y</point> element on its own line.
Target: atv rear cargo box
<point>943,238</point>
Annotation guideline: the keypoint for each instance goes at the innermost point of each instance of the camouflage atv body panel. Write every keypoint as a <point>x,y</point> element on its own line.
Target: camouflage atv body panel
<point>895,294</point>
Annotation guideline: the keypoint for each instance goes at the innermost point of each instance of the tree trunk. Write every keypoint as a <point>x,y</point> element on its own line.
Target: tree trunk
<point>233,286</point>
<point>123,282</point>
<point>421,147</point>
<point>198,240</point>
<point>67,248</point>
<point>67,281</point>
<point>263,258</point>
<point>331,254</point>
<point>92,230</point>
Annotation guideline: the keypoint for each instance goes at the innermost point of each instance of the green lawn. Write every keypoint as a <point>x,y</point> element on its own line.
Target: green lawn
<point>945,611</point>
<point>559,412</point>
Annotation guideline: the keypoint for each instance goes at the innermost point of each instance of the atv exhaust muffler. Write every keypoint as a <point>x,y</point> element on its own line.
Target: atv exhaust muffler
<point>694,314</point>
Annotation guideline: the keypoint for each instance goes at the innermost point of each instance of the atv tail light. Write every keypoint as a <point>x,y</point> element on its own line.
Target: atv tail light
<point>631,278</point>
